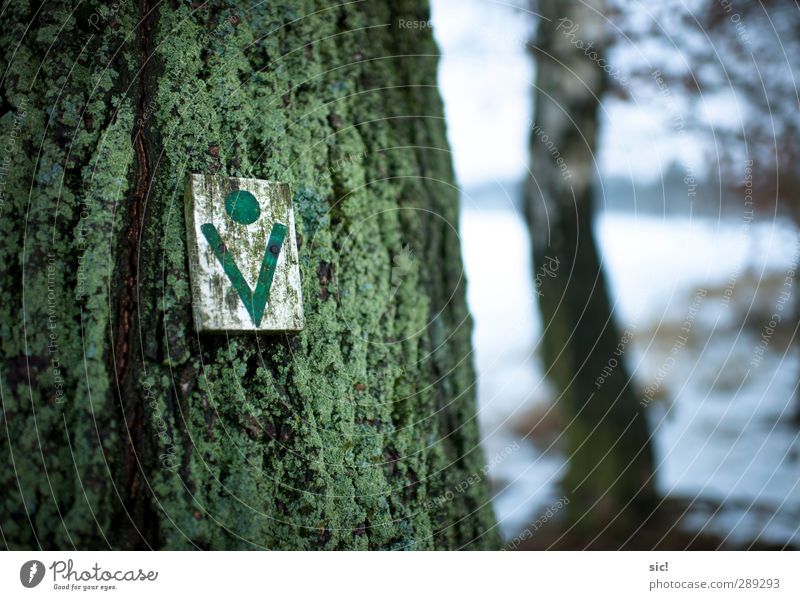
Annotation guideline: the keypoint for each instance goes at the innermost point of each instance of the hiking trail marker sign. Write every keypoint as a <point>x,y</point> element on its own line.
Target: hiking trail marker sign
<point>243,259</point>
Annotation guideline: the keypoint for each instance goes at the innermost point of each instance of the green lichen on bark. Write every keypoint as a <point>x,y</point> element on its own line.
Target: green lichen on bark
<point>354,433</point>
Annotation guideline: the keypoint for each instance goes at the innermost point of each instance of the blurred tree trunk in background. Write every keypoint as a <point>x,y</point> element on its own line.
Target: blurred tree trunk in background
<point>122,428</point>
<point>609,480</point>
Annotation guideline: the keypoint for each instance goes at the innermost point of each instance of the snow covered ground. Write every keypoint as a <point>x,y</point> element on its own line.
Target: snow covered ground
<point>724,430</point>
<point>721,426</point>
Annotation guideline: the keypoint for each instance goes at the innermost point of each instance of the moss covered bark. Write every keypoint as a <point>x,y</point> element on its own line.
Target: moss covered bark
<point>120,426</point>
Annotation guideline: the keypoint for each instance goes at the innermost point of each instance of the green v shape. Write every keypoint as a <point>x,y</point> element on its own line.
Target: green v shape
<point>254,302</point>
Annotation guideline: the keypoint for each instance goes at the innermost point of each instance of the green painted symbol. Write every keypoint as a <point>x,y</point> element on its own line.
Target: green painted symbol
<point>242,207</point>
<point>254,302</point>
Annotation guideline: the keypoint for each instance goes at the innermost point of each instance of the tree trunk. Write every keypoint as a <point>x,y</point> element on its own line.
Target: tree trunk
<point>123,428</point>
<point>610,466</point>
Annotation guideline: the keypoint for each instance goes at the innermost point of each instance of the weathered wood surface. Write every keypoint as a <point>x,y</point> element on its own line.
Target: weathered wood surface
<point>217,302</point>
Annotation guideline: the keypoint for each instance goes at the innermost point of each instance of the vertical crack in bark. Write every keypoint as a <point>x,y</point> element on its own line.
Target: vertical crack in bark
<point>129,263</point>
<point>136,502</point>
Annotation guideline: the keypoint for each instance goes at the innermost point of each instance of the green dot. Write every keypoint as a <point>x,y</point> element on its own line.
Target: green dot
<point>242,207</point>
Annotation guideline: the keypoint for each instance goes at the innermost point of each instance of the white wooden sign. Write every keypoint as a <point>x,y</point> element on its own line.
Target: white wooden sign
<point>243,258</point>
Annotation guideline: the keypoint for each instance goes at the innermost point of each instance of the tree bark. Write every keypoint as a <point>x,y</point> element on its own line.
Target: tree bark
<point>121,427</point>
<point>609,480</point>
